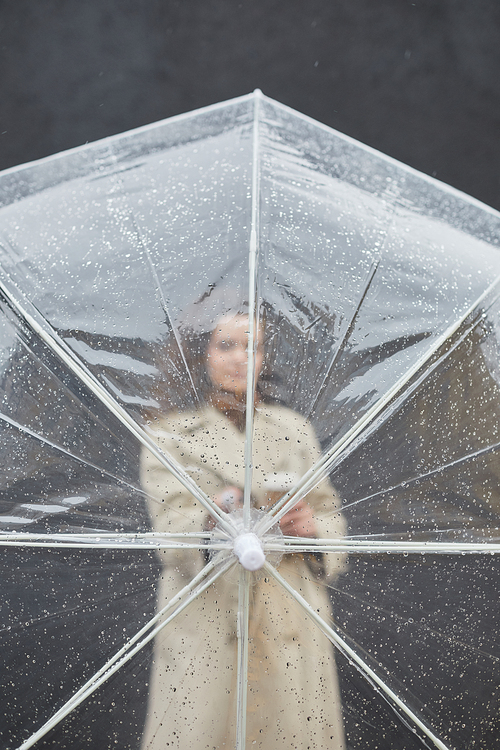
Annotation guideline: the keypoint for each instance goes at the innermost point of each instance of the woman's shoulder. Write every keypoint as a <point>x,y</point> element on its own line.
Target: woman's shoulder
<point>271,416</point>
<point>284,418</point>
<point>179,422</point>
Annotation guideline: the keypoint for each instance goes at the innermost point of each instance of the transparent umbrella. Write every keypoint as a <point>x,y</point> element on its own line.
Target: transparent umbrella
<point>301,556</point>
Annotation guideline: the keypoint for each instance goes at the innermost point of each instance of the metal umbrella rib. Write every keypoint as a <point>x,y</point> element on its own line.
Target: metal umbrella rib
<point>50,337</point>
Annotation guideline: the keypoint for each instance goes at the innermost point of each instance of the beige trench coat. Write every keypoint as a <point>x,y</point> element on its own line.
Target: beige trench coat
<point>293,694</point>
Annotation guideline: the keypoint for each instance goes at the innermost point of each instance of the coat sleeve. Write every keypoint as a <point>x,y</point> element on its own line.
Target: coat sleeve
<point>323,499</point>
<point>171,506</point>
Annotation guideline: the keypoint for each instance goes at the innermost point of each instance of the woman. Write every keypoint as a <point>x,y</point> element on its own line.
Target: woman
<point>293,696</point>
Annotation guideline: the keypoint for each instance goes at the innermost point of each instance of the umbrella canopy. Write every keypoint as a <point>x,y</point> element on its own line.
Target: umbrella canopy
<point>369,298</point>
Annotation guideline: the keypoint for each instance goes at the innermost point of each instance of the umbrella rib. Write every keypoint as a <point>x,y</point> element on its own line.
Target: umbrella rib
<point>347,332</point>
<point>326,462</point>
<point>350,327</point>
<point>393,699</point>
<point>390,614</point>
<point>180,601</point>
<point>61,383</point>
<point>139,541</point>
<point>64,353</point>
<point>202,540</point>
<point>242,631</point>
<point>252,312</point>
<point>422,477</point>
<point>353,546</point>
<point>22,428</point>
<point>163,303</point>
<point>95,417</point>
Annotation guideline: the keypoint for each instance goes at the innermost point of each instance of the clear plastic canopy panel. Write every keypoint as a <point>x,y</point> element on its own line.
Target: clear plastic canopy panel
<point>250,431</point>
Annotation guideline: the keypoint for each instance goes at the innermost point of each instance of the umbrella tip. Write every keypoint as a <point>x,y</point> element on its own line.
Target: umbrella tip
<point>248,550</point>
<point>257,92</point>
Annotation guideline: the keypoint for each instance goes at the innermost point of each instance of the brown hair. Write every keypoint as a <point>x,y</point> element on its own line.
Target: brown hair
<point>183,382</point>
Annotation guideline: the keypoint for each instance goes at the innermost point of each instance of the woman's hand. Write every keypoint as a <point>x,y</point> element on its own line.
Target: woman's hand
<point>299,521</point>
<point>228,499</point>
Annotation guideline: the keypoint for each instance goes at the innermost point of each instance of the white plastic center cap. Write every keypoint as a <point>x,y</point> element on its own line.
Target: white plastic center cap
<point>248,550</point>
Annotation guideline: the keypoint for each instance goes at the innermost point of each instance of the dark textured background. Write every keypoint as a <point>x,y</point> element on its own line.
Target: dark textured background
<point>418,80</point>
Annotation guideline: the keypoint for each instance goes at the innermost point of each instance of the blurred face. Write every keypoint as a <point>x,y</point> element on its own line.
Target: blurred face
<point>227,354</point>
